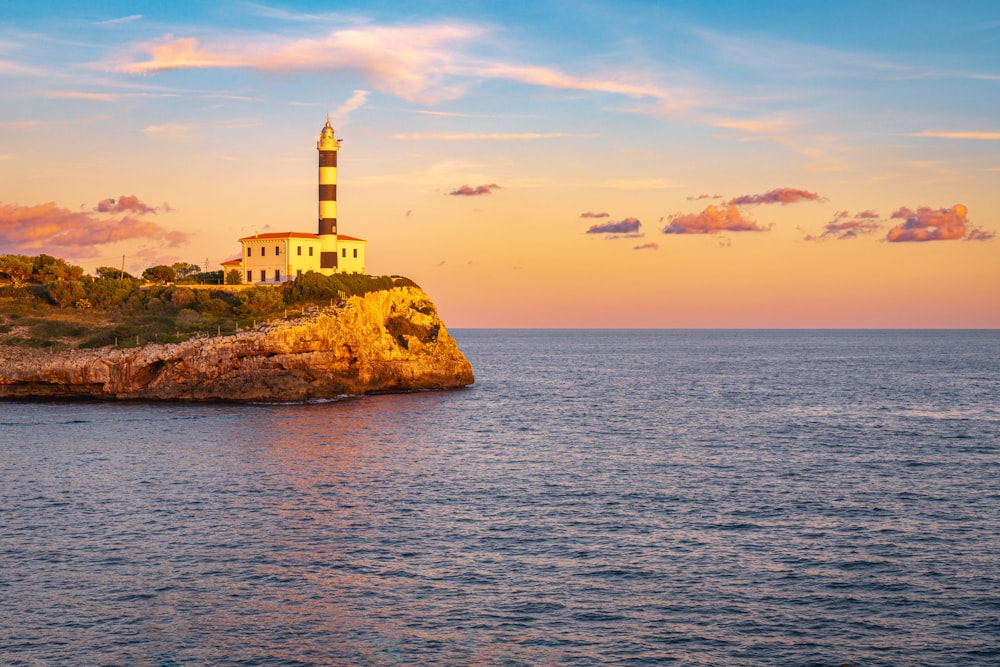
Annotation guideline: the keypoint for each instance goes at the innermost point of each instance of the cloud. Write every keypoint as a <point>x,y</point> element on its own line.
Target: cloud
<point>356,101</point>
<point>712,221</point>
<point>846,226</point>
<point>548,77</point>
<point>412,62</point>
<point>980,235</point>
<point>406,61</point>
<point>647,246</point>
<point>125,203</point>
<point>982,136</point>
<point>700,197</point>
<point>78,95</point>
<point>641,184</point>
<point>494,136</point>
<point>469,191</point>
<point>777,196</point>
<point>628,226</point>
<point>591,214</point>
<point>47,227</point>
<point>930,224</point>
<point>119,21</point>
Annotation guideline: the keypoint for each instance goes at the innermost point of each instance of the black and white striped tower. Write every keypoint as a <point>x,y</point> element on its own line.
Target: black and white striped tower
<point>327,147</point>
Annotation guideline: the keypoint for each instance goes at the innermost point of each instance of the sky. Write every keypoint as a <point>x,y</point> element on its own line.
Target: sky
<point>621,164</point>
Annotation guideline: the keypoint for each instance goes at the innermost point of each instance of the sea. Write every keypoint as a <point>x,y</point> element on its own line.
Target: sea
<point>598,497</point>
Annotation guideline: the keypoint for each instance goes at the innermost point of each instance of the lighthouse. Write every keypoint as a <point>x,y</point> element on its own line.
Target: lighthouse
<point>278,257</point>
<point>328,147</point>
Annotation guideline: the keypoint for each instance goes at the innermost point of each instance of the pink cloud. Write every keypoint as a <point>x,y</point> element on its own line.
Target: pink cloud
<point>591,214</point>
<point>413,62</point>
<point>704,196</point>
<point>627,226</point>
<point>846,226</point>
<point>124,204</point>
<point>469,191</point>
<point>930,224</point>
<point>712,221</point>
<point>405,61</point>
<point>647,246</point>
<point>49,228</point>
<point>777,196</point>
<point>980,235</point>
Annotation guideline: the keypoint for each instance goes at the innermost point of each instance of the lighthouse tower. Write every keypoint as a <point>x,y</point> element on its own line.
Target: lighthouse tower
<point>328,147</point>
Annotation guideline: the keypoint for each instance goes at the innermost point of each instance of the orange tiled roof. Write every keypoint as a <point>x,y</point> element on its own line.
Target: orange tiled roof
<point>281,235</point>
<point>296,235</point>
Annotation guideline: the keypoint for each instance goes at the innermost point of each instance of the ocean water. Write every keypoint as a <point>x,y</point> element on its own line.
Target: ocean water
<point>598,498</point>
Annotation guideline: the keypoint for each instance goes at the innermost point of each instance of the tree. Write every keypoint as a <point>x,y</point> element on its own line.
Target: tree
<point>111,273</point>
<point>160,274</point>
<point>47,268</point>
<point>183,269</point>
<point>234,277</point>
<point>17,267</point>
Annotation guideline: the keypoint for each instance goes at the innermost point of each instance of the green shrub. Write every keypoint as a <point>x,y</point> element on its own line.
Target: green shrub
<point>315,287</point>
<point>65,293</point>
<point>260,299</point>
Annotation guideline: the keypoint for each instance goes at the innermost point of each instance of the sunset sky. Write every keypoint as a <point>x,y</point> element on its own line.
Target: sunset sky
<point>536,164</point>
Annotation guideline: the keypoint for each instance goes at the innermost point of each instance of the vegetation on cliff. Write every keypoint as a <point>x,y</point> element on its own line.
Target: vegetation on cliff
<point>47,303</point>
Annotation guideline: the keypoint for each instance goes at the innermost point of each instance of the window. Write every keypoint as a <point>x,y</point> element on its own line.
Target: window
<point>277,250</point>
<point>277,275</point>
<point>299,253</point>
<point>248,251</point>
<point>263,251</point>
<point>263,274</point>
<point>355,253</point>
<point>343,252</point>
<point>310,251</point>
<point>249,274</point>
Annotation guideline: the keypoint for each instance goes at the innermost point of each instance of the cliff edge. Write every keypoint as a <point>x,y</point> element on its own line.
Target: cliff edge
<point>385,341</point>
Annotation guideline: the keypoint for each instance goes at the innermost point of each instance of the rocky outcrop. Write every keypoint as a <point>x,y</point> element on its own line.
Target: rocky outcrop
<point>386,341</point>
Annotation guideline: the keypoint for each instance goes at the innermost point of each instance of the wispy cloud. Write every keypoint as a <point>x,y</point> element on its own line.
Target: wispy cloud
<point>78,95</point>
<point>937,134</point>
<point>712,221</point>
<point>935,224</point>
<point>591,214</point>
<point>405,61</point>
<point>704,196</point>
<point>124,204</point>
<point>355,102</point>
<point>845,226</point>
<point>776,196</point>
<point>124,19</point>
<point>8,68</point>
<point>548,77</point>
<point>47,226</point>
<point>628,226</point>
<point>647,246</point>
<point>430,63</point>
<point>470,191</point>
<point>494,136</point>
<point>641,184</point>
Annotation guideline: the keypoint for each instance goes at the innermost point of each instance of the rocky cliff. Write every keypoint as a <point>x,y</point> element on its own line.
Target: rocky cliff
<point>386,341</point>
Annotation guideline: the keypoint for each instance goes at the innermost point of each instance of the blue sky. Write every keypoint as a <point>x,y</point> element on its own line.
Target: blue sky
<point>873,126</point>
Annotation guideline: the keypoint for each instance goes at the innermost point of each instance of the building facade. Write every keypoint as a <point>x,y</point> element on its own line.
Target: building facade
<point>277,257</point>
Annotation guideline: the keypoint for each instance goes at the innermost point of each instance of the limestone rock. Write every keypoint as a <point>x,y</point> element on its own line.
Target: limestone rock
<point>386,341</point>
